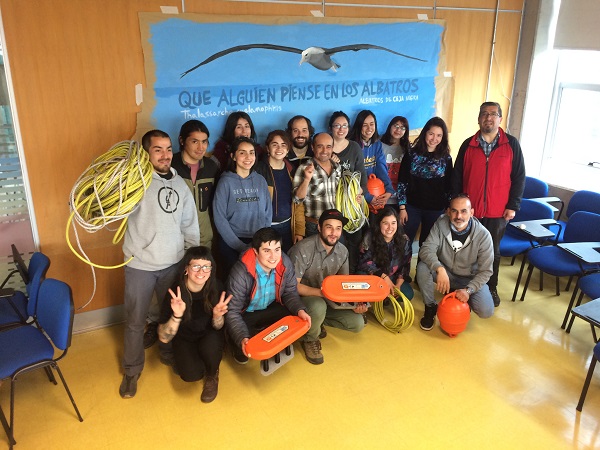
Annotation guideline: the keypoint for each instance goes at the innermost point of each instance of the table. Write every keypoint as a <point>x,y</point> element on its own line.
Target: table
<point>590,312</point>
<point>536,230</point>
<point>549,200</point>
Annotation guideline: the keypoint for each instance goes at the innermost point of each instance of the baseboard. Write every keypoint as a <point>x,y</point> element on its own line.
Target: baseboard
<point>99,318</point>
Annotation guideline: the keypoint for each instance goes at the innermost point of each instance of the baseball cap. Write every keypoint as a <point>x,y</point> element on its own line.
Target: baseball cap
<point>332,214</point>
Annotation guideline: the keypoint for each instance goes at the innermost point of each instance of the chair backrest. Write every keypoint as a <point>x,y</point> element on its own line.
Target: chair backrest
<point>532,210</point>
<point>36,272</point>
<point>583,226</point>
<point>584,201</point>
<point>535,188</point>
<point>55,312</point>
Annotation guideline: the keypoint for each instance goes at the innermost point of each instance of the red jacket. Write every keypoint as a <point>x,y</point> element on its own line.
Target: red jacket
<point>494,183</point>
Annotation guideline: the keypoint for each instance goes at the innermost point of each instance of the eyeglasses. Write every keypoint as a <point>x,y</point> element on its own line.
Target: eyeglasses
<point>197,268</point>
<point>337,126</point>
<point>400,127</point>
<point>489,114</point>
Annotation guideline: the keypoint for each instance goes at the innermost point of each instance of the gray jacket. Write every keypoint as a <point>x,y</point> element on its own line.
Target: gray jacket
<point>473,260</point>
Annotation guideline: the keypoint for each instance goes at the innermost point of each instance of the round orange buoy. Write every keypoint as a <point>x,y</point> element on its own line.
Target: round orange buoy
<point>376,188</point>
<point>453,314</point>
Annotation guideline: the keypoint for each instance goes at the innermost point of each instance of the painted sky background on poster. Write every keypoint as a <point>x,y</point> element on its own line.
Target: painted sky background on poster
<point>272,86</point>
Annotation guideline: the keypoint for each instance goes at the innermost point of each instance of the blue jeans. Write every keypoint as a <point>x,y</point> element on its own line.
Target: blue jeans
<point>481,302</point>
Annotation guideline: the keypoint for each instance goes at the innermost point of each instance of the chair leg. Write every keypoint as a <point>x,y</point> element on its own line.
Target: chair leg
<point>50,374</point>
<point>541,280</point>
<point>586,384</point>
<point>573,315</point>
<point>570,307</point>
<point>569,283</point>
<point>68,391</point>
<point>557,286</point>
<point>9,435</point>
<point>529,272</point>
<point>519,278</point>
<point>512,261</point>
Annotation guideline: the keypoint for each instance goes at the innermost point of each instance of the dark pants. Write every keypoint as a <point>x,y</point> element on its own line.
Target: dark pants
<point>259,320</point>
<point>424,217</point>
<point>352,242</point>
<point>285,230</point>
<point>194,359</point>
<point>496,227</point>
<point>228,256</point>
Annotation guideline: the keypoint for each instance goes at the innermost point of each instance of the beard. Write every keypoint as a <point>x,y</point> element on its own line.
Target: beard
<point>297,144</point>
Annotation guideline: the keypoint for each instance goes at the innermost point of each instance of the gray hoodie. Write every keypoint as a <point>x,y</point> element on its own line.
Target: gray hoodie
<point>474,259</point>
<point>164,224</point>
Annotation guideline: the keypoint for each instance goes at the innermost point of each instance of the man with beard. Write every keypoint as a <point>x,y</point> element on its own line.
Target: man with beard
<point>300,131</point>
<point>490,168</point>
<point>164,224</point>
<point>457,255</point>
<point>315,185</point>
<point>315,258</point>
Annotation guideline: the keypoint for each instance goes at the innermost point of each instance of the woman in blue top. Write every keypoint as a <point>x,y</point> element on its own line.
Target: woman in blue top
<point>242,204</point>
<point>424,182</point>
<point>364,131</point>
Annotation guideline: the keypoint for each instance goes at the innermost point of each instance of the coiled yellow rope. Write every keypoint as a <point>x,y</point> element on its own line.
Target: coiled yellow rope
<point>108,191</point>
<point>404,313</point>
<point>345,201</point>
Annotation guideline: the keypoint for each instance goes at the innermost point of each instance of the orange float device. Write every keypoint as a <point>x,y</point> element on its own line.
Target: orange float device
<point>275,338</point>
<point>376,188</point>
<point>355,288</point>
<point>453,314</point>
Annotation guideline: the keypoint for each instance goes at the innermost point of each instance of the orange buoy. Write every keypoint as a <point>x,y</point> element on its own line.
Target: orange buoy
<point>376,188</point>
<point>453,314</point>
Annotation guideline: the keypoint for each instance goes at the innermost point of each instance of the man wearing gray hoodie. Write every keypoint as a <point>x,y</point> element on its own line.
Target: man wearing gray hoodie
<point>164,224</point>
<point>457,255</point>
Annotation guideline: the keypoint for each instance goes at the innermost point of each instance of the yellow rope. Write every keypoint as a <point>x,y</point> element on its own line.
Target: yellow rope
<point>108,191</point>
<point>345,201</point>
<point>404,314</point>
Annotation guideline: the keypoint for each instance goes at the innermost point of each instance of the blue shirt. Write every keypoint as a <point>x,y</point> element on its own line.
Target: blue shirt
<point>265,290</point>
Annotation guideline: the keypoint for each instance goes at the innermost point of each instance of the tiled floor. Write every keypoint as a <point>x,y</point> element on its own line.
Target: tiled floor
<point>511,381</point>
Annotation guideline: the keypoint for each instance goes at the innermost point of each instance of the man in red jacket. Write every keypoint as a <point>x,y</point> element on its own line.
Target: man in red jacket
<point>490,168</point>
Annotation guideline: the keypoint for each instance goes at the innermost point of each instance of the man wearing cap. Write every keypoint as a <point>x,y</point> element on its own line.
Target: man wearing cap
<point>315,258</point>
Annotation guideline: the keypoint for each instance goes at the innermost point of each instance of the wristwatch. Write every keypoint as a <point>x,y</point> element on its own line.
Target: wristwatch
<point>470,291</point>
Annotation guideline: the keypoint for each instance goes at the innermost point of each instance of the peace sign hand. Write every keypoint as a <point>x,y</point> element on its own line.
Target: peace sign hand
<point>220,308</point>
<point>177,304</point>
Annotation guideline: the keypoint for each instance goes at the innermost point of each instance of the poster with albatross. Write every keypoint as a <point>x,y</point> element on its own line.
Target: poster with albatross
<point>205,67</point>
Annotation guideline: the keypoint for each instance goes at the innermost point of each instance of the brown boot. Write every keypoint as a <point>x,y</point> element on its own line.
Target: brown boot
<point>211,388</point>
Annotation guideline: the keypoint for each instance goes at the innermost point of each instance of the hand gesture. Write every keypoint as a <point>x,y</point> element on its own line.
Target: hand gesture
<point>309,170</point>
<point>335,158</point>
<point>177,304</point>
<point>390,284</point>
<point>462,295</point>
<point>403,216</point>
<point>220,308</point>
<point>304,316</point>
<point>361,308</point>
<point>443,282</point>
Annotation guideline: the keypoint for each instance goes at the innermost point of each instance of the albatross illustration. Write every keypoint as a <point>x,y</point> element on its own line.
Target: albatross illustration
<point>319,58</point>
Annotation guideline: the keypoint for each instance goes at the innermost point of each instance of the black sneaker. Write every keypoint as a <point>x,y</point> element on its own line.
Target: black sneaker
<point>495,296</point>
<point>151,334</point>
<point>128,386</point>
<point>428,319</point>
<point>239,356</point>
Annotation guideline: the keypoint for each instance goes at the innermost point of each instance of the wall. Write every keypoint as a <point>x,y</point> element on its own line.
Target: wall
<point>74,65</point>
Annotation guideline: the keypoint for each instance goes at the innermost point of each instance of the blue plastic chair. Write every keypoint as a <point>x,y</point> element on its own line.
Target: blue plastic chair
<point>586,384</point>
<point>581,201</point>
<point>582,227</point>
<point>590,286</point>
<point>17,308</point>
<point>27,348</point>
<point>535,188</point>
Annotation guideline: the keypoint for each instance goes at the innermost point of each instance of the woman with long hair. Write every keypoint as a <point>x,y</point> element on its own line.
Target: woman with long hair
<point>424,182</point>
<point>242,204</point>
<point>386,252</point>
<point>364,132</point>
<point>238,124</point>
<point>395,145</point>
<point>278,172</point>
<point>192,319</point>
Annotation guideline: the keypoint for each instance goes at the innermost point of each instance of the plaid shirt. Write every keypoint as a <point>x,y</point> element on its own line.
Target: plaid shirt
<point>321,189</point>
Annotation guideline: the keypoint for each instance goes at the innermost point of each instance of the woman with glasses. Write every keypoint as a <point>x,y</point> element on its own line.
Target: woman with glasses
<point>349,155</point>
<point>277,171</point>
<point>192,319</point>
<point>364,132</point>
<point>238,124</point>
<point>424,182</point>
<point>395,145</point>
